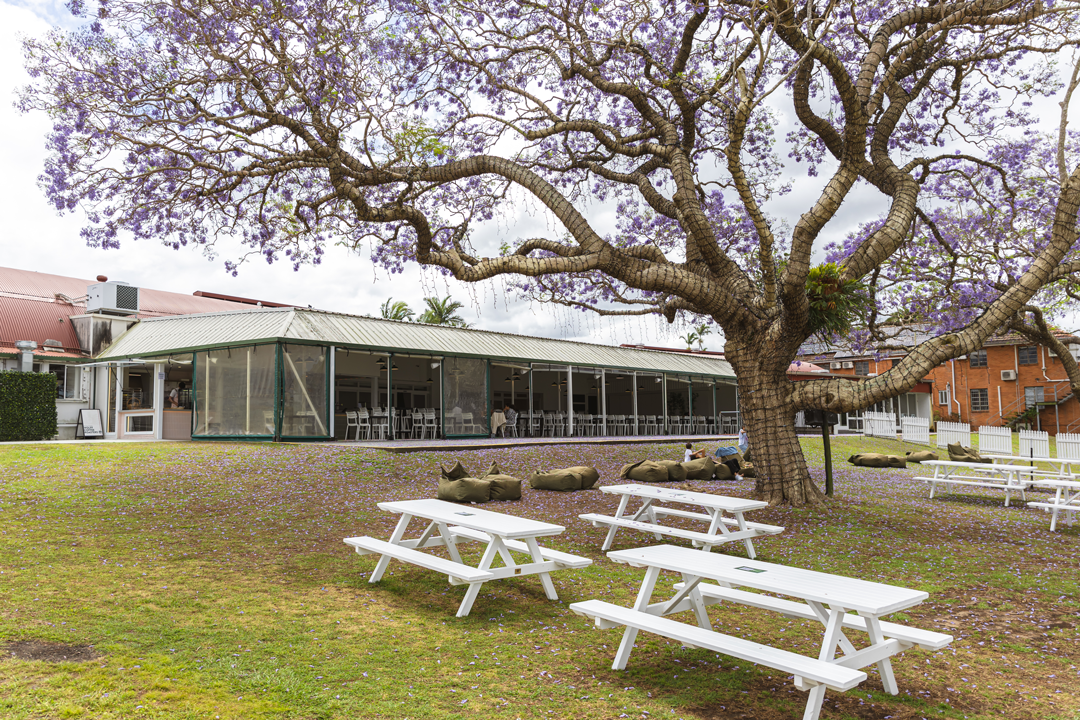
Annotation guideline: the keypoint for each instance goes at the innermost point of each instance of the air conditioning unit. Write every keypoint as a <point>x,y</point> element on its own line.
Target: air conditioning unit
<point>1008,374</point>
<point>835,366</point>
<point>849,365</point>
<point>112,298</point>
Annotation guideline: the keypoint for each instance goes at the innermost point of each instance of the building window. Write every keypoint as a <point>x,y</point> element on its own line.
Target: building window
<point>1029,355</point>
<point>894,362</point>
<point>862,367</point>
<point>980,400</point>
<point>977,359</point>
<point>942,397</point>
<point>1034,396</point>
<point>67,381</point>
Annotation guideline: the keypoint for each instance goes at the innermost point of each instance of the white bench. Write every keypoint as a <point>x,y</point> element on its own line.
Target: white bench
<point>450,523</point>
<point>1066,499</point>
<point>456,571</point>
<point>1010,478</point>
<point>828,599</point>
<point>562,558</point>
<point>831,675</point>
<point>648,517</point>
<point>713,594</point>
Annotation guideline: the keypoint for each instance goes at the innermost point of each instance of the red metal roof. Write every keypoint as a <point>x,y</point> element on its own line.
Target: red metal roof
<point>37,306</point>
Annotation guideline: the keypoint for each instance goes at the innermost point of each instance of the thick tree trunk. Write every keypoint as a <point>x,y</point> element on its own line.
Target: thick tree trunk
<point>768,414</point>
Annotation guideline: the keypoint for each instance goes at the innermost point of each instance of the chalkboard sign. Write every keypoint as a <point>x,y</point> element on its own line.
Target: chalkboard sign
<point>89,424</point>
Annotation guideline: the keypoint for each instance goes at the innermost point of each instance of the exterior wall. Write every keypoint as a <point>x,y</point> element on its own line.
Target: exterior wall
<point>1005,397</point>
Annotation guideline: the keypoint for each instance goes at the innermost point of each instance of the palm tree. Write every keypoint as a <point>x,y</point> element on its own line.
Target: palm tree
<point>442,311</point>
<point>690,338</point>
<point>396,311</point>
<point>701,331</point>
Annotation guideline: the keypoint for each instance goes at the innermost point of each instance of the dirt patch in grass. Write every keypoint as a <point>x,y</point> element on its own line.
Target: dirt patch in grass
<point>48,652</point>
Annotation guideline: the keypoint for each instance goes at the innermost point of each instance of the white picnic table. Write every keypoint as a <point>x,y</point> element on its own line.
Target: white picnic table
<point>999,476</point>
<point>647,518</point>
<point>1066,499</point>
<point>449,524</point>
<point>824,597</point>
<point>1064,468</point>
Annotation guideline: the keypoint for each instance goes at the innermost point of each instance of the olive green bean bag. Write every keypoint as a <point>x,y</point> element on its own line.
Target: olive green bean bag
<point>559,480</point>
<point>723,472</point>
<point>589,475</point>
<point>645,471</point>
<point>877,460</point>
<point>700,469</point>
<point>463,490</point>
<point>959,453</point>
<point>503,486</point>
<point>454,473</point>
<point>918,456</point>
<point>676,471</point>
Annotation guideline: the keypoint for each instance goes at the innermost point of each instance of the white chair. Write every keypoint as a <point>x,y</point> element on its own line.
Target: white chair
<point>431,422</point>
<point>380,423</point>
<point>536,427</point>
<point>467,424</point>
<point>351,422</point>
<point>416,421</point>
<point>510,429</point>
<point>651,426</point>
<point>363,421</point>
<point>560,424</point>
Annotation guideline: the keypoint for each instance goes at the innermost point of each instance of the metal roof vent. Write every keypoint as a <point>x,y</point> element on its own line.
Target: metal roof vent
<point>54,344</point>
<point>112,298</point>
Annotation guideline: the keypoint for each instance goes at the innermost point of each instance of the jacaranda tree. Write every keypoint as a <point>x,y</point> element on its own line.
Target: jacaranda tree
<point>402,125</point>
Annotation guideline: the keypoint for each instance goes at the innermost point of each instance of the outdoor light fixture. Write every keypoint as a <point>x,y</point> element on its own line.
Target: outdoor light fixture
<point>435,365</point>
<point>659,379</point>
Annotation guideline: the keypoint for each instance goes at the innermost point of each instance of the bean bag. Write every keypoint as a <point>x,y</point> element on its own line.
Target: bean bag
<point>959,453</point>
<point>504,487</point>
<point>700,469</point>
<point>723,472</point>
<point>455,473</point>
<point>493,470</point>
<point>869,460</point>
<point>919,456</point>
<point>724,450</point>
<point>589,475</point>
<point>463,490</point>
<point>647,471</point>
<point>560,480</point>
<point>676,472</point>
<point>877,460</point>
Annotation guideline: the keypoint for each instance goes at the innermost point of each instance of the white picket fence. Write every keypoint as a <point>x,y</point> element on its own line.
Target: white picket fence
<point>1035,443</point>
<point>995,440</point>
<point>1068,446</point>
<point>915,429</point>
<point>879,424</point>
<point>950,432</point>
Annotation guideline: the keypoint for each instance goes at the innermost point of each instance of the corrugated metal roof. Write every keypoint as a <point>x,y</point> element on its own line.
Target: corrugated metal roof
<point>161,336</point>
<point>43,287</point>
<point>37,320</point>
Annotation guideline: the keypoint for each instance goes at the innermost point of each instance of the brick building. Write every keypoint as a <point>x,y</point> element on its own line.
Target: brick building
<point>1010,381</point>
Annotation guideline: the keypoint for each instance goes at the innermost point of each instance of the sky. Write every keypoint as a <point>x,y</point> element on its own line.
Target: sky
<point>35,237</point>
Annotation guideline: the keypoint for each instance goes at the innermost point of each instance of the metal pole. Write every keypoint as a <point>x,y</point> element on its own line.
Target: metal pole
<point>529,424</point>
<point>825,430</point>
<point>633,399</point>
<point>569,401</point>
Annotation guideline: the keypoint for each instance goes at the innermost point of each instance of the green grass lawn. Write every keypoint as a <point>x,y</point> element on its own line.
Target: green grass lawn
<point>211,581</point>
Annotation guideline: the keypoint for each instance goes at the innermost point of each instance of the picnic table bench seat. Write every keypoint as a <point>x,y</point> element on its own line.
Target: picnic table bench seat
<point>365,545</point>
<point>830,674</point>
<point>1066,499</point>
<point>714,594</point>
<point>564,559</point>
<point>761,528</point>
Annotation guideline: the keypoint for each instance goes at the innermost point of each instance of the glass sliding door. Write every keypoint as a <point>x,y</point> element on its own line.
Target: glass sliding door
<point>465,396</point>
<point>234,392</point>
<point>303,391</point>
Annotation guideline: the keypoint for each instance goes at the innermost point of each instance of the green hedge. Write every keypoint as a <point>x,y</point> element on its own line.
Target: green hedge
<point>27,406</point>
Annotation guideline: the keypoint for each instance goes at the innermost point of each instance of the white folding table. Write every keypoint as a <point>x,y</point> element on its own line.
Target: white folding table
<point>449,524</point>
<point>825,597</point>
<point>647,518</point>
<point>1066,499</point>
